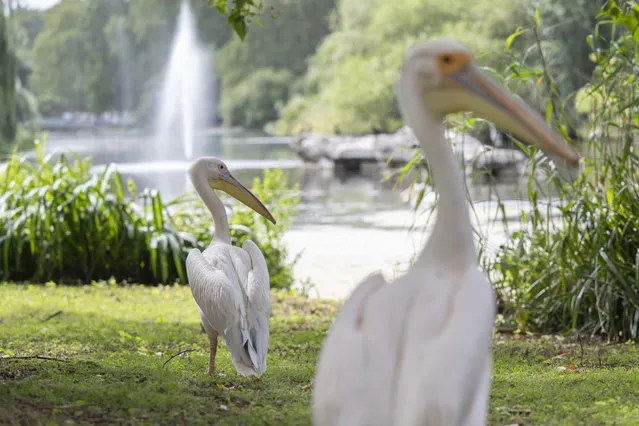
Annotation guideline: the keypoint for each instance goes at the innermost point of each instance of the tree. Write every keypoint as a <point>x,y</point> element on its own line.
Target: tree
<point>553,41</point>
<point>349,80</point>
<point>254,102</point>
<point>26,25</point>
<point>282,46</point>
<point>7,85</point>
<point>566,24</point>
<point>59,53</point>
<point>100,65</point>
<point>100,55</point>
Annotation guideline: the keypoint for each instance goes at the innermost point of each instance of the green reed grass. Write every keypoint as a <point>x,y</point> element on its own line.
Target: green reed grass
<point>580,273</point>
<point>59,222</point>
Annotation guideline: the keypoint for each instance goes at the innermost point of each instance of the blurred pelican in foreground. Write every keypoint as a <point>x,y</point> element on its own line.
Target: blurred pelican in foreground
<point>230,284</point>
<point>417,351</point>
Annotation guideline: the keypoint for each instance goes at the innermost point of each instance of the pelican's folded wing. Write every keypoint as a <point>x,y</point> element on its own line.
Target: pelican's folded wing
<point>258,308</point>
<point>220,300</point>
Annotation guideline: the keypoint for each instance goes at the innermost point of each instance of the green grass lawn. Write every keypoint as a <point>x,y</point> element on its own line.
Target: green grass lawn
<point>111,358</point>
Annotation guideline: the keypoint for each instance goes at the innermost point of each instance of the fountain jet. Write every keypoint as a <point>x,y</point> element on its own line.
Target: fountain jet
<point>183,105</point>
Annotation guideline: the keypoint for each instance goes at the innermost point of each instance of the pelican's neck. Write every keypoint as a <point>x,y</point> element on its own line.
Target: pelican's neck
<point>215,206</point>
<point>452,238</point>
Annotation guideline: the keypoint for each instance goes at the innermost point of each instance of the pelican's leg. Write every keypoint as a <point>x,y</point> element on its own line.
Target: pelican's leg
<point>213,351</point>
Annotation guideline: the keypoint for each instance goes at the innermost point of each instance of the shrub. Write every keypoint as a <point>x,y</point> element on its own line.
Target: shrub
<point>254,102</point>
<point>59,222</point>
<point>272,191</point>
<point>50,106</point>
<point>580,272</point>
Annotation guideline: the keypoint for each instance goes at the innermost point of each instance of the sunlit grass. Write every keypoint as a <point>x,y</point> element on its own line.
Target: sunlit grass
<point>558,382</point>
<point>112,349</point>
<point>116,346</point>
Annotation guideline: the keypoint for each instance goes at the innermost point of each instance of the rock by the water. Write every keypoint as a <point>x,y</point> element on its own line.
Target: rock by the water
<point>312,147</point>
<point>354,148</point>
<point>397,149</point>
<point>500,160</point>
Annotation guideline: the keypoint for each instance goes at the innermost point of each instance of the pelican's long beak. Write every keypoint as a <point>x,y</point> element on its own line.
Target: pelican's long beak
<point>235,189</point>
<point>483,96</point>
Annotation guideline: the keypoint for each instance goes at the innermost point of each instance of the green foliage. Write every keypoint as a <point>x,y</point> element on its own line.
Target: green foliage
<point>339,80</point>
<point>84,66</point>
<point>27,24</point>
<point>555,35</point>
<point>60,53</point>
<point>580,272</point>
<point>348,84</point>
<point>272,190</point>
<point>57,222</point>
<point>349,81</point>
<point>51,105</point>
<point>242,12</point>
<point>7,86</point>
<point>283,44</point>
<point>115,58</point>
<point>566,27</point>
<point>24,25</point>
<point>100,64</point>
<point>20,30</point>
<point>254,102</point>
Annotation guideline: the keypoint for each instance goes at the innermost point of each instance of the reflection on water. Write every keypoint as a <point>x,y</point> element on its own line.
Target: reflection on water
<point>347,226</point>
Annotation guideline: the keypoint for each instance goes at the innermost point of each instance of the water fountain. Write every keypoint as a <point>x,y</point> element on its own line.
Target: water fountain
<point>180,131</point>
<point>185,100</point>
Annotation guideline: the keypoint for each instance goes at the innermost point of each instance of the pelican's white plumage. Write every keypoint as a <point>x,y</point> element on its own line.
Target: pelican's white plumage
<point>230,284</point>
<point>417,351</point>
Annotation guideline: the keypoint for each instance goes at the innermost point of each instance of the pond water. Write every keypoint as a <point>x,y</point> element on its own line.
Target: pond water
<point>346,227</point>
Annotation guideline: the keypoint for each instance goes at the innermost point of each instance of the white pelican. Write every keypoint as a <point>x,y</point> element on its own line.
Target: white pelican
<point>418,351</point>
<point>230,284</point>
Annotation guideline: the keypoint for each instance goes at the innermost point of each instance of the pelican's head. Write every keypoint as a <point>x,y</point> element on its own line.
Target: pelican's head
<point>445,73</point>
<point>218,176</point>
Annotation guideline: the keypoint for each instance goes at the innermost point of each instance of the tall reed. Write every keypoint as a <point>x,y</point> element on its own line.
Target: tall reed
<point>580,272</point>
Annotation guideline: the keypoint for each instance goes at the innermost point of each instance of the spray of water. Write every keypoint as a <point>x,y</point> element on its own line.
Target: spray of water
<point>183,105</point>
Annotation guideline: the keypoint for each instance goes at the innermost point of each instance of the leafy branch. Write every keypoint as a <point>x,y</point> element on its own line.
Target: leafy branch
<point>241,13</point>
